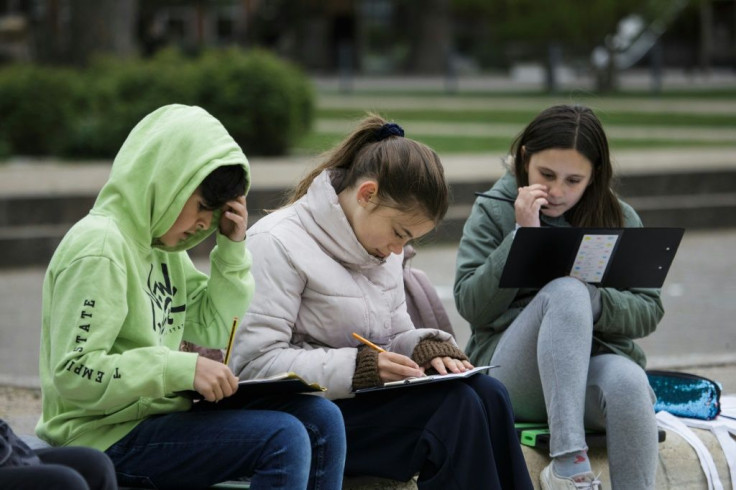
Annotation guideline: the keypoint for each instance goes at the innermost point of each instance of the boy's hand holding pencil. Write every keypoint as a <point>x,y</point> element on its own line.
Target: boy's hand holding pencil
<point>214,380</point>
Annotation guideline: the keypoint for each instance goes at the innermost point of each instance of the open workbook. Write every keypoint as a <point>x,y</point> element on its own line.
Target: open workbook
<point>434,378</point>
<point>279,384</point>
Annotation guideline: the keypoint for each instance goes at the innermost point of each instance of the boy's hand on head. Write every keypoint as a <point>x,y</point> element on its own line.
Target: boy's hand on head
<point>234,219</point>
<point>214,380</point>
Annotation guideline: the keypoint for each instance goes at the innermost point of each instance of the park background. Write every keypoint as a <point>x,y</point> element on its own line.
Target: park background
<point>463,76</point>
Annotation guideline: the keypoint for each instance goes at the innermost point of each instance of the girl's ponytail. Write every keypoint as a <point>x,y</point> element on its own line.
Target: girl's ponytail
<point>409,174</point>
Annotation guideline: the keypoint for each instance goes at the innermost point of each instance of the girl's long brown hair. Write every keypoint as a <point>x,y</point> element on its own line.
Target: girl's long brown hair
<point>574,127</point>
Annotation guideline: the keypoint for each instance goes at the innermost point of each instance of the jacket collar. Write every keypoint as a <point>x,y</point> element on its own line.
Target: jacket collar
<point>323,217</point>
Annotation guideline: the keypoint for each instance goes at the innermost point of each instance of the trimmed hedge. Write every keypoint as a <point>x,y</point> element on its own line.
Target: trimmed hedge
<point>264,102</point>
<point>268,111</point>
<point>37,107</point>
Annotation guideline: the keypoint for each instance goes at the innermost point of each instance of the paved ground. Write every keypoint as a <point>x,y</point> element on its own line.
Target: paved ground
<point>698,328</point>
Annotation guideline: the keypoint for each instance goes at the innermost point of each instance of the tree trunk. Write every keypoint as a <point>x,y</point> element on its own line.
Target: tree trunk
<point>70,32</point>
<point>607,76</point>
<point>431,44</point>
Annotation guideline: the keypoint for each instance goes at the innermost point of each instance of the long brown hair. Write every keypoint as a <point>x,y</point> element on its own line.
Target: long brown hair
<point>574,127</point>
<point>409,174</point>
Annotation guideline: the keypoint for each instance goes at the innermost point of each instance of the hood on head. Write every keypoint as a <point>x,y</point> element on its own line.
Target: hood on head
<point>162,162</point>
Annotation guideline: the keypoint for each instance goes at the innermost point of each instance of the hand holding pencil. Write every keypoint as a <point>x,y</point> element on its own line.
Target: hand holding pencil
<point>392,366</point>
<point>214,380</point>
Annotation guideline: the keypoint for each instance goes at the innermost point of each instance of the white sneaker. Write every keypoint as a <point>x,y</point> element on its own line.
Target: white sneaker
<point>550,481</point>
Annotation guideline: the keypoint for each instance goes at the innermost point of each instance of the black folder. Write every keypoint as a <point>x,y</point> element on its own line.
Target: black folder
<point>607,257</point>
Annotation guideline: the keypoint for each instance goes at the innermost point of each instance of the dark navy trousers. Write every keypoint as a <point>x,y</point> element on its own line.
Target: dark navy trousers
<point>456,435</point>
<point>63,468</point>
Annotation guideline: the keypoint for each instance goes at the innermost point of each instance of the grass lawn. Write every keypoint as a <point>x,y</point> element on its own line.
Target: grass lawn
<point>314,143</point>
<point>523,116</point>
<point>711,115</point>
<point>678,93</point>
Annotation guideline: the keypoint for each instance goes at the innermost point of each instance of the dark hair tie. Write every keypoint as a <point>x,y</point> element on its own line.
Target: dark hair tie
<point>389,129</point>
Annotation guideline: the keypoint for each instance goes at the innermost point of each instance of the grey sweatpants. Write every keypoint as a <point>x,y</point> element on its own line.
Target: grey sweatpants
<point>545,363</point>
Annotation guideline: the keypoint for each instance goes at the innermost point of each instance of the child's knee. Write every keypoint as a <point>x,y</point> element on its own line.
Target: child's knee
<point>328,414</point>
<point>491,386</point>
<point>622,384</point>
<point>484,393</point>
<point>59,477</point>
<point>567,287</point>
<point>289,436</point>
<point>326,422</point>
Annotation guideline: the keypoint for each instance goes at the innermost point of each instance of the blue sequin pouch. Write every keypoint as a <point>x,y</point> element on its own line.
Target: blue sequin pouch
<point>685,394</point>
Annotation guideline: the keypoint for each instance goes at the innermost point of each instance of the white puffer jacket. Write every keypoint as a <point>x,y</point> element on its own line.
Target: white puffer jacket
<point>315,285</point>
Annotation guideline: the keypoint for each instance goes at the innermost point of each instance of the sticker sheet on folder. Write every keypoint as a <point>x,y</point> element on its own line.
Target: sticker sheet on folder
<point>593,256</point>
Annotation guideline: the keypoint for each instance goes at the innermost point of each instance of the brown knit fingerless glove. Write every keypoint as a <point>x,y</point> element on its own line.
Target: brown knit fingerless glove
<point>428,349</point>
<point>366,369</point>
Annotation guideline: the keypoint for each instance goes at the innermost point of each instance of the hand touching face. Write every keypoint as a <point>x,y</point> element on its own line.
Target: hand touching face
<point>196,216</point>
<point>234,219</point>
<point>557,180</point>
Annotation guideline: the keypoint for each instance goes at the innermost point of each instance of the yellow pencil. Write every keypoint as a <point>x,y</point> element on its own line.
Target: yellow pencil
<point>368,343</point>
<point>230,342</point>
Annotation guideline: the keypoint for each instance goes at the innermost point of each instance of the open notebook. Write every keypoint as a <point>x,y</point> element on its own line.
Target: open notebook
<point>278,384</point>
<point>424,380</point>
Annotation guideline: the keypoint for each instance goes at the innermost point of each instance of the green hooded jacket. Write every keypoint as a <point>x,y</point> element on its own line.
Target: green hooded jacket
<point>116,305</point>
<point>487,236</point>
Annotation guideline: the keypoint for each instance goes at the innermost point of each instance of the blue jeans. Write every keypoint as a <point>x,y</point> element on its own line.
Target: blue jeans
<point>278,442</point>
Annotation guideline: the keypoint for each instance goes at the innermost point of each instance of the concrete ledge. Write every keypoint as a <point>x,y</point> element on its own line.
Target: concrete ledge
<point>678,469</point>
<point>370,483</point>
<point>41,200</point>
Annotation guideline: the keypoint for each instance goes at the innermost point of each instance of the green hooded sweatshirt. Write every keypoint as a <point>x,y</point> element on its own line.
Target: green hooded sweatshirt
<point>116,305</point>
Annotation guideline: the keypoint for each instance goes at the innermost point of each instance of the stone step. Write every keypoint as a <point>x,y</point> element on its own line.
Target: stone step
<point>33,245</point>
<point>656,190</point>
<point>32,226</point>
<point>20,211</point>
